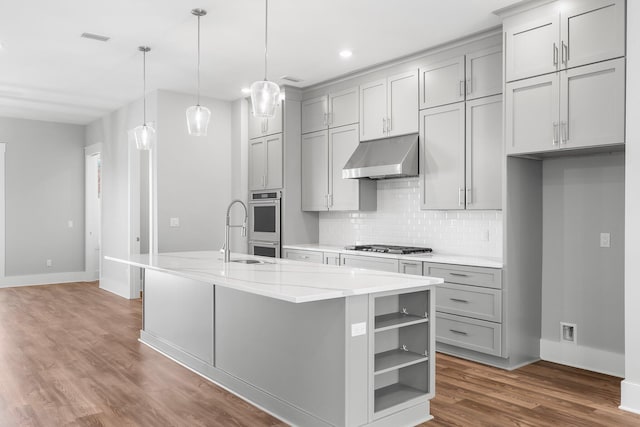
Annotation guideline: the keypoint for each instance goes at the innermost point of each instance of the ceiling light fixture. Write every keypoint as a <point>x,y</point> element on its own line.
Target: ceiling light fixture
<point>346,53</point>
<point>265,95</point>
<point>144,135</point>
<point>246,90</point>
<point>197,115</point>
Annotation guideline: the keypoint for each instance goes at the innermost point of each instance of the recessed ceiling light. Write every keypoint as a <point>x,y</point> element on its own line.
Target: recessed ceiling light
<point>246,90</point>
<point>346,53</point>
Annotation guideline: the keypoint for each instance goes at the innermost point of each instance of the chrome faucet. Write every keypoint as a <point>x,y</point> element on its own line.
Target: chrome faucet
<point>243,232</point>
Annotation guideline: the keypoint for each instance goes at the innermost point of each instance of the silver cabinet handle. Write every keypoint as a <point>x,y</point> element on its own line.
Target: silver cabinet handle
<point>461,88</point>
<point>555,133</point>
<point>458,332</point>
<point>304,257</point>
<point>389,124</point>
<point>565,53</point>
<point>464,301</point>
<point>264,181</point>
<point>325,119</point>
<point>460,196</point>
<point>469,197</point>
<point>329,119</point>
<point>555,54</point>
<point>330,200</point>
<point>469,87</point>
<point>563,133</point>
<point>459,274</point>
<point>384,125</point>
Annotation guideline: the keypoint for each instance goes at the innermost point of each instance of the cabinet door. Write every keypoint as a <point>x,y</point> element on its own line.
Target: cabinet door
<point>273,173</point>
<point>442,162</point>
<point>315,167</point>
<point>592,105</point>
<point>331,258</point>
<point>402,100</point>
<point>441,83</point>
<point>257,164</point>
<point>373,110</point>
<point>532,48</point>
<point>484,73</point>
<point>343,107</point>
<point>531,115</point>
<point>344,193</point>
<point>274,124</point>
<point>314,114</point>
<point>370,262</point>
<point>484,153</point>
<point>592,31</point>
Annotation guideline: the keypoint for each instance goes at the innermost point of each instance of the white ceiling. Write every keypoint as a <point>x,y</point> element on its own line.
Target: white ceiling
<point>48,72</point>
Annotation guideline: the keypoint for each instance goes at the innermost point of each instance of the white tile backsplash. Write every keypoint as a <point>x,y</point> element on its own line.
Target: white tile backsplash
<point>399,220</point>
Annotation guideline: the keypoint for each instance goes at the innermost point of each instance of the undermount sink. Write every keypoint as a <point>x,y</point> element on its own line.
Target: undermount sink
<point>250,261</point>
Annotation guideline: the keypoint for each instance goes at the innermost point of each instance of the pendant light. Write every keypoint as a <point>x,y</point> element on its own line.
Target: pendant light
<point>197,115</point>
<point>265,95</point>
<point>144,135</point>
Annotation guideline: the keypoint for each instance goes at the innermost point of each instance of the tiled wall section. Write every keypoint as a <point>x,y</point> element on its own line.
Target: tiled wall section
<point>399,220</point>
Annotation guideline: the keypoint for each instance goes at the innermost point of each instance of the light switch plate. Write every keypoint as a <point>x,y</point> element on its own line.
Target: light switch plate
<point>174,222</point>
<point>605,240</point>
<point>358,329</point>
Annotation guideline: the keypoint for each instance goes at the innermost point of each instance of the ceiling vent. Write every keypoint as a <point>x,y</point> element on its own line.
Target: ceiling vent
<point>291,79</point>
<point>95,37</point>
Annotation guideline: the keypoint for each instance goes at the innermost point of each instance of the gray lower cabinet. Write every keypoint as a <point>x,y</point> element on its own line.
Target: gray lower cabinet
<point>469,307</point>
<point>303,255</point>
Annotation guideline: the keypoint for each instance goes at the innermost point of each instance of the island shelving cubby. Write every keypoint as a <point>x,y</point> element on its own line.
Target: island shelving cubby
<point>402,372</point>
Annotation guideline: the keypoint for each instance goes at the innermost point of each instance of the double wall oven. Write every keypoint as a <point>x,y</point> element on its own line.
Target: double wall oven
<point>264,224</point>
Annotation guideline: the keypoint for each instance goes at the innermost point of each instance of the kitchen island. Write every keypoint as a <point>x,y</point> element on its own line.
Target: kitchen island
<point>315,345</point>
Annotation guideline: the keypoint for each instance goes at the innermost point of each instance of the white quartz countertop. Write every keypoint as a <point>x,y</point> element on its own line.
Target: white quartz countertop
<point>435,257</point>
<point>287,280</point>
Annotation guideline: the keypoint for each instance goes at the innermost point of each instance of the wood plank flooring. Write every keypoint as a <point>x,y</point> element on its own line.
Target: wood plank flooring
<point>69,356</point>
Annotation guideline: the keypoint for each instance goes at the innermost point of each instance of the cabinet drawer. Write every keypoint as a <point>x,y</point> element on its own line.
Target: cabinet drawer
<point>477,335</point>
<point>466,275</point>
<point>470,301</point>
<point>308,256</point>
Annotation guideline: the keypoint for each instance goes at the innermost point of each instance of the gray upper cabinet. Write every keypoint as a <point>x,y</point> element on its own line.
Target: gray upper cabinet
<point>324,154</point>
<point>461,151</point>
<point>576,108</point>
<point>549,38</point>
<point>259,127</point>
<point>389,107</point>
<point>475,75</point>
<point>265,163</point>
<point>330,111</point>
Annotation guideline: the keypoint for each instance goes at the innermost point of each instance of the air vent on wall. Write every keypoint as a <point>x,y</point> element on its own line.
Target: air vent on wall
<point>95,37</point>
<point>291,79</point>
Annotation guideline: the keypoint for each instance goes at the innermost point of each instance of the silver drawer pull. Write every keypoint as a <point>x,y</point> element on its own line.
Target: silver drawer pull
<point>459,274</point>
<point>304,257</point>
<point>458,332</point>
<point>459,300</point>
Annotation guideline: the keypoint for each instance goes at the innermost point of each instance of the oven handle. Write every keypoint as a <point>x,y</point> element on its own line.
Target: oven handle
<point>254,242</point>
<point>265,202</point>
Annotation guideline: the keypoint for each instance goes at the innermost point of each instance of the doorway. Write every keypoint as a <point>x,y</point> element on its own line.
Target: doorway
<point>93,211</point>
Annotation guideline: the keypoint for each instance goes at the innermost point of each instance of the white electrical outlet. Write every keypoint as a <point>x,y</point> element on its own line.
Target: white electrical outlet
<point>568,332</point>
<point>70,223</point>
<point>49,263</point>
<point>174,222</point>
<point>605,240</point>
<point>485,235</point>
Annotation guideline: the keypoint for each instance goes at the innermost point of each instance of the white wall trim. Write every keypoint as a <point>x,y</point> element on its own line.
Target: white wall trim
<point>630,397</point>
<point>91,150</point>
<point>578,356</point>
<point>43,279</point>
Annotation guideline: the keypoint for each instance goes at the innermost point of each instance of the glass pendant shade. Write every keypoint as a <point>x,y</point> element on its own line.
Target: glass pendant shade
<point>144,136</point>
<point>265,97</point>
<point>198,120</point>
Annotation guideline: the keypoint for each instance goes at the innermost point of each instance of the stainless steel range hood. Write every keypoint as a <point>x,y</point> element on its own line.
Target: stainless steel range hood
<point>384,158</point>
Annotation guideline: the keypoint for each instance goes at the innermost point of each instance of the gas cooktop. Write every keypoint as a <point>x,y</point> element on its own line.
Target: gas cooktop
<point>389,249</point>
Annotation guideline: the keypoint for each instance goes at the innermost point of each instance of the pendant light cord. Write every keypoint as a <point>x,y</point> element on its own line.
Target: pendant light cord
<point>144,87</point>
<point>198,103</point>
<point>266,21</point>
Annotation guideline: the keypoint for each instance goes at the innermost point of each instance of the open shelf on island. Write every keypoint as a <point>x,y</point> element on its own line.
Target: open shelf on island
<point>396,359</point>
<point>393,395</point>
<point>397,320</point>
<point>396,311</point>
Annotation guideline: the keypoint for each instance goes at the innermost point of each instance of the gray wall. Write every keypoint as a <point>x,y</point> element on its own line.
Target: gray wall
<point>583,283</point>
<point>44,190</point>
<point>193,175</point>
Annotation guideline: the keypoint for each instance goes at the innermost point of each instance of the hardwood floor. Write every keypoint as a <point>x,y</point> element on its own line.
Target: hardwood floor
<point>69,356</point>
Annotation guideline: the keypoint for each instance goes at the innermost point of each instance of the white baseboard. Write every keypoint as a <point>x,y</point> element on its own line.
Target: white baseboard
<point>44,279</point>
<point>630,397</point>
<point>592,359</point>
